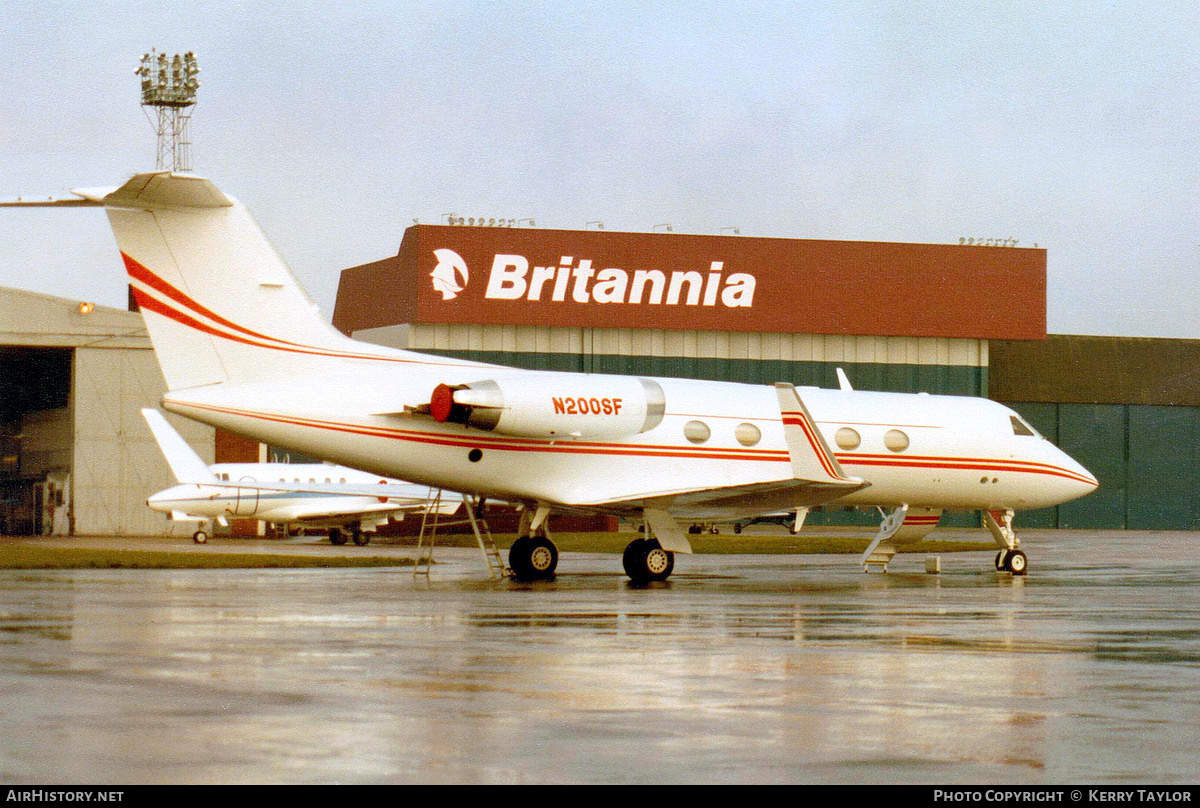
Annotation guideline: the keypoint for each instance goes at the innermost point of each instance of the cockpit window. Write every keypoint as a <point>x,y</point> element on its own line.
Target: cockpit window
<point>1020,427</point>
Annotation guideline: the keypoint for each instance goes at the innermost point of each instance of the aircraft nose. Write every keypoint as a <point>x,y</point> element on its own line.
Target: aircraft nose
<point>1081,481</point>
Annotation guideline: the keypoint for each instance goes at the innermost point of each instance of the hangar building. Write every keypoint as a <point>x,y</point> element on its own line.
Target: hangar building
<point>76,456</point>
<point>900,317</point>
<point>954,319</point>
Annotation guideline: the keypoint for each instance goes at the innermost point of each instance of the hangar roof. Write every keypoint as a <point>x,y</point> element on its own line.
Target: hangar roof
<point>604,279</point>
<point>40,320</point>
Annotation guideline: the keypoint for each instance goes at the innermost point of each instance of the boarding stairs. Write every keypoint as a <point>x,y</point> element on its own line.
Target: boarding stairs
<point>902,525</point>
<point>434,519</point>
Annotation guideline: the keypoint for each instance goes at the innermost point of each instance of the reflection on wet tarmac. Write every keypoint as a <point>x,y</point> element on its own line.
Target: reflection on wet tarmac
<point>740,669</point>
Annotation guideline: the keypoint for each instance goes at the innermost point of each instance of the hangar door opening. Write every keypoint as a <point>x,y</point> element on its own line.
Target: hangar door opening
<point>35,440</point>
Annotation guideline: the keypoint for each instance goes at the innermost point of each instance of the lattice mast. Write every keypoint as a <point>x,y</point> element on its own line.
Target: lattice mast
<point>169,87</point>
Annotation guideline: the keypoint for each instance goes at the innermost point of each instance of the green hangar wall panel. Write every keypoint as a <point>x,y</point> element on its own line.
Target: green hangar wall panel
<point>1128,408</point>
<point>1146,457</point>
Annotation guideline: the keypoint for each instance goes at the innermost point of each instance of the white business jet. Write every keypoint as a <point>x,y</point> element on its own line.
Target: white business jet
<point>242,348</point>
<point>224,491</point>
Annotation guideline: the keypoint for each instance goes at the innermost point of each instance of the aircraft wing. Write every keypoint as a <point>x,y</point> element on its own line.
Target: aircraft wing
<point>817,477</point>
<point>396,496</point>
<point>322,510</point>
<point>737,501</point>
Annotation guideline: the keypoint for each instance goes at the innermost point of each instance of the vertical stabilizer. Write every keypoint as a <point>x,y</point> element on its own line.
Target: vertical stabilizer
<point>219,302</point>
<point>185,464</point>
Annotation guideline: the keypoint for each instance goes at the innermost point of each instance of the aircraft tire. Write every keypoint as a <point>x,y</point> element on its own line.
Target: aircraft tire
<point>200,537</point>
<point>1017,563</point>
<point>1002,560</point>
<point>360,539</point>
<point>533,558</point>
<point>633,559</point>
<point>645,561</point>
<point>336,537</point>
<point>518,559</point>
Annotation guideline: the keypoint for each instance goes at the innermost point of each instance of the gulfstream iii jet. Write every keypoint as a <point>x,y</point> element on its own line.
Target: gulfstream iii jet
<point>243,348</point>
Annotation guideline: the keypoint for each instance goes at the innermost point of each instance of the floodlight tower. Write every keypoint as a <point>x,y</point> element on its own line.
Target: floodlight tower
<point>169,89</point>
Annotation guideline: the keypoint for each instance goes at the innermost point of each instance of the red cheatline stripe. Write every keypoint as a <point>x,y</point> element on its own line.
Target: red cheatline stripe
<point>964,464</point>
<point>237,333</point>
<point>631,450</point>
<point>634,450</point>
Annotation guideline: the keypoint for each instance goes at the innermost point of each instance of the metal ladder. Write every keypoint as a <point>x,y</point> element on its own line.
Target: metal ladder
<point>433,519</point>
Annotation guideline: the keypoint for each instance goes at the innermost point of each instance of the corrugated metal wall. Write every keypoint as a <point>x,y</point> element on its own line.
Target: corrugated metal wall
<point>1146,457</point>
<point>117,463</point>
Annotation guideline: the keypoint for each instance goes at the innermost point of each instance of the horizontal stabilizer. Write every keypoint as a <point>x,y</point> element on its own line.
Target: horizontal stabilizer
<point>157,190</point>
<point>164,190</point>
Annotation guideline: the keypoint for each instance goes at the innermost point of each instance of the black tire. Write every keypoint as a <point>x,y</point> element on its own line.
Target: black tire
<point>646,561</point>
<point>336,537</point>
<point>200,537</point>
<point>1002,560</point>
<point>518,559</point>
<point>360,539</point>
<point>634,560</point>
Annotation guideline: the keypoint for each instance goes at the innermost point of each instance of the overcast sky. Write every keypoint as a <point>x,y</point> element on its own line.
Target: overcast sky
<point>1072,126</point>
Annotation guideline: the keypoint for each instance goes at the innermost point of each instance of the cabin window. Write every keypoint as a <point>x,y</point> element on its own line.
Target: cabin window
<point>1020,427</point>
<point>747,434</point>
<point>696,431</point>
<point>847,438</point>
<point>895,440</point>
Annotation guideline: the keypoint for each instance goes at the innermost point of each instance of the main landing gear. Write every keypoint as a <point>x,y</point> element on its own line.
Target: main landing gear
<point>533,558</point>
<point>645,560</point>
<point>338,536</point>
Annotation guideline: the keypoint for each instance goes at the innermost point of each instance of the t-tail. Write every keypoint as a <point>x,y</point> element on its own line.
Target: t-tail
<point>185,464</point>
<point>218,300</point>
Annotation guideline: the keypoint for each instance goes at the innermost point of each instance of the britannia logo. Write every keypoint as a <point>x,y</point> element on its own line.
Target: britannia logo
<point>446,274</point>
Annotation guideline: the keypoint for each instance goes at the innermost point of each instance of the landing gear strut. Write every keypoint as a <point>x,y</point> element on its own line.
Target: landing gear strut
<point>1010,558</point>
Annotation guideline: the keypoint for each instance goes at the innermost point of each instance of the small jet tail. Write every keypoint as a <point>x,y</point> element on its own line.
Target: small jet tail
<point>185,464</point>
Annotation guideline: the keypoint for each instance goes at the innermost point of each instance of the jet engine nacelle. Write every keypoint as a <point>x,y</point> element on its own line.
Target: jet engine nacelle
<point>556,405</point>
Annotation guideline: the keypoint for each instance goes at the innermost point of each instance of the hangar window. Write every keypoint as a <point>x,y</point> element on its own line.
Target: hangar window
<point>847,438</point>
<point>1020,427</point>
<point>696,431</point>
<point>895,440</point>
<point>747,434</point>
